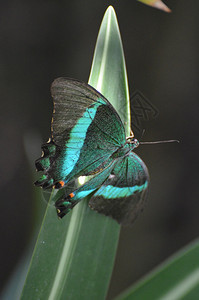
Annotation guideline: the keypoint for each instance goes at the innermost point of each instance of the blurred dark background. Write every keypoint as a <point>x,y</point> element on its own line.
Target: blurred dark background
<point>42,40</point>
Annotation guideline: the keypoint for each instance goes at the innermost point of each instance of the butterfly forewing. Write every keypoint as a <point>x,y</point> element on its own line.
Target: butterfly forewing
<point>86,130</point>
<point>71,99</point>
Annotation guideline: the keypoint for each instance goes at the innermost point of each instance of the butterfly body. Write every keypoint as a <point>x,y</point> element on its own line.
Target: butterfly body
<point>88,138</point>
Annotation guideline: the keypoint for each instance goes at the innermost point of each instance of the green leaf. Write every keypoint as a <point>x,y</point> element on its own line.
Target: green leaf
<point>178,278</point>
<point>74,257</point>
<point>108,71</point>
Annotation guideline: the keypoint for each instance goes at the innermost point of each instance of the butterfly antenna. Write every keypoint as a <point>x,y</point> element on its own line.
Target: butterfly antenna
<point>160,142</point>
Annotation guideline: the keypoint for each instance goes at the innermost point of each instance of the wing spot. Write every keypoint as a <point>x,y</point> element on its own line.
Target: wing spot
<point>59,185</point>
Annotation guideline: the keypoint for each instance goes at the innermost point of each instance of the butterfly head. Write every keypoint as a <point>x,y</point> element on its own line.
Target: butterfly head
<point>133,142</point>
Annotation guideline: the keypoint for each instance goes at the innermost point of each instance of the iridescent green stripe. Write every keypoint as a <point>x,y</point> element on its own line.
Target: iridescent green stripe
<point>77,138</point>
<point>113,192</point>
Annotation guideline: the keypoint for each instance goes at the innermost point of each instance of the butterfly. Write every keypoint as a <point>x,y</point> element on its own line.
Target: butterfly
<point>88,139</point>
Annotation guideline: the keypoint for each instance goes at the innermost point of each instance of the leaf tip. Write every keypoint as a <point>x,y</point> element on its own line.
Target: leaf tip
<point>160,5</point>
<point>156,4</point>
<point>110,9</point>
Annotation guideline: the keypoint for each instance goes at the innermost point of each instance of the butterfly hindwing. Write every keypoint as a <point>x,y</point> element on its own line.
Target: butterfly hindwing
<point>122,196</point>
<point>119,190</point>
<point>86,130</point>
<point>64,205</point>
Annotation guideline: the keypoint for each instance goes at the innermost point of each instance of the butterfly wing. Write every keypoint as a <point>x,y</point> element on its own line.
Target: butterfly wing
<point>122,196</point>
<point>65,204</point>
<point>85,129</point>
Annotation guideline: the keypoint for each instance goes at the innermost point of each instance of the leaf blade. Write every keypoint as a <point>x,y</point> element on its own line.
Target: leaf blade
<point>75,256</point>
<point>177,278</point>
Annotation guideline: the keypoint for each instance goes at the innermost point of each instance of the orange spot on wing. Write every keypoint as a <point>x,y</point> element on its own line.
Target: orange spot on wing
<point>61,183</point>
<point>71,195</point>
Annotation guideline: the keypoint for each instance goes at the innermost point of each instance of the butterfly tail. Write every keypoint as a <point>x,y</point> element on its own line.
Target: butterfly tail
<point>44,163</point>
